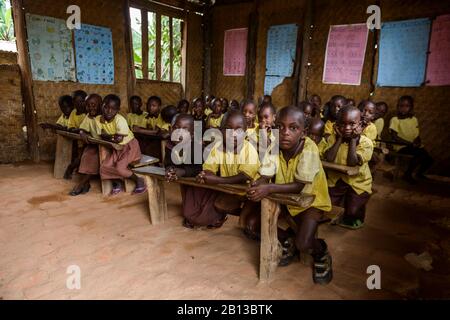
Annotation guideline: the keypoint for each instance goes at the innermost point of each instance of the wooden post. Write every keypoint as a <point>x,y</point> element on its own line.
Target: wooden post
<point>156,200</point>
<point>163,151</point>
<point>250,70</point>
<point>63,156</point>
<point>170,49</point>
<point>26,79</point>
<point>207,37</point>
<point>106,184</point>
<point>158,46</point>
<point>131,78</point>
<point>144,21</point>
<point>270,246</point>
<point>307,33</point>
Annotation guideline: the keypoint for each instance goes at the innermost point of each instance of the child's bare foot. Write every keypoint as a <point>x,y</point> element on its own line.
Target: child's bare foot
<point>80,190</point>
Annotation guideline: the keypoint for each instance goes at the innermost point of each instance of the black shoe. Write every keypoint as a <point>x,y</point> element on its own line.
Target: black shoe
<point>83,190</point>
<point>288,253</point>
<point>322,267</point>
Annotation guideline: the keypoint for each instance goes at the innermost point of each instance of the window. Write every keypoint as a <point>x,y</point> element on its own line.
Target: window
<point>7,39</point>
<point>157,45</point>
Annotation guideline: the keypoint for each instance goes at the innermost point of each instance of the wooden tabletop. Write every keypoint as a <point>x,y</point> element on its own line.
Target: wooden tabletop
<point>76,136</point>
<point>351,171</point>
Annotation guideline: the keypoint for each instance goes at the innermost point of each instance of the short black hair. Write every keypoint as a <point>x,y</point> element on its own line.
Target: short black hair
<point>380,104</point>
<point>410,99</point>
<point>114,98</point>
<point>155,98</point>
<point>232,114</point>
<point>363,103</point>
<point>247,102</point>
<point>289,110</point>
<point>65,99</point>
<point>344,110</point>
<point>265,106</point>
<point>79,93</point>
<point>136,98</point>
<point>168,112</point>
<point>183,116</point>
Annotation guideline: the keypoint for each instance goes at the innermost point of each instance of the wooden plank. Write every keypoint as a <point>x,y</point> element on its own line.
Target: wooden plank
<point>144,28</point>
<point>158,46</point>
<point>306,44</point>
<point>76,136</point>
<point>131,76</point>
<point>300,200</point>
<point>106,184</point>
<point>146,161</point>
<point>26,79</point>
<point>170,49</point>
<point>156,200</point>
<point>270,250</point>
<point>252,41</point>
<point>175,11</point>
<point>351,171</point>
<point>63,156</point>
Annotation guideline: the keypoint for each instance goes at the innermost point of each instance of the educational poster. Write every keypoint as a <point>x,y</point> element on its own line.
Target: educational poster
<point>235,52</point>
<point>270,82</point>
<point>344,55</point>
<point>50,49</point>
<point>94,54</point>
<point>438,68</point>
<point>281,49</point>
<point>403,53</point>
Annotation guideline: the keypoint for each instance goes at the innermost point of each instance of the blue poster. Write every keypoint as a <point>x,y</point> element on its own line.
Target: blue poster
<point>403,53</point>
<point>281,49</point>
<point>270,82</point>
<point>94,54</point>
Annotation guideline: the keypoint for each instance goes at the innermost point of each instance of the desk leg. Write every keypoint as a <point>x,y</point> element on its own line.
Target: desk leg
<point>163,151</point>
<point>270,251</point>
<point>106,184</point>
<point>63,156</point>
<point>156,200</point>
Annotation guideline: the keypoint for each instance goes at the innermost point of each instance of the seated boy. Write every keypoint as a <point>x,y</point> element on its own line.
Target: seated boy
<point>315,132</point>
<point>136,117</point>
<point>66,106</point>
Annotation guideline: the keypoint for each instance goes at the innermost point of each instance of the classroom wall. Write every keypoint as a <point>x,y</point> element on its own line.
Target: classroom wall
<point>7,57</point>
<point>13,147</point>
<point>46,93</point>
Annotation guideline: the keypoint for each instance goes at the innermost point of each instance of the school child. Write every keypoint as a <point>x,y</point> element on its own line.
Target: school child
<point>66,106</point>
<point>297,168</point>
<point>336,103</point>
<point>250,112</point>
<point>136,117</point>
<point>347,146</point>
<point>89,163</point>
<point>77,115</point>
<point>404,128</point>
<point>154,113</point>
<point>234,105</point>
<point>316,101</point>
<point>198,112</point>
<point>183,106</point>
<point>368,111</point>
<point>114,128</point>
<point>167,115</point>
<point>215,117</point>
<point>224,165</point>
<point>382,109</point>
<point>225,105</point>
<point>267,99</point>
<point>308,110</point>
<point>315,132</point>
<point>208,104</point>
<point>351,102</point>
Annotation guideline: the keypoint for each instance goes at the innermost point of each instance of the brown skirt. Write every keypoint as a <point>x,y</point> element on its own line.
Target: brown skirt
<point>198,206</point>
<point>89,160</point>
<point>115,165</point>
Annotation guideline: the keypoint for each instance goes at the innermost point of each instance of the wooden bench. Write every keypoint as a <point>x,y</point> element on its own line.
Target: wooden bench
<point>270,250</point>
<point>351,171</point>
<point>63,157</point>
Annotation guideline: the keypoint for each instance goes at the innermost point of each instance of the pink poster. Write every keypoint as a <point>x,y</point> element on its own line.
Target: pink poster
<point>344,56</point>
<point>438,68</point>
<point>234,52</point>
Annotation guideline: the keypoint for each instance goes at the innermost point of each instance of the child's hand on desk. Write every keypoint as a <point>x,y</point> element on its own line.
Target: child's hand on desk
<point>84,137</point>
<point>172,174</point>
<point>207,177</point>
<point>258,192</point>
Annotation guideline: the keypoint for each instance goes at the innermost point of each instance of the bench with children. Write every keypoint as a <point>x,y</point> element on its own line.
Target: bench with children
<point>257,148</point>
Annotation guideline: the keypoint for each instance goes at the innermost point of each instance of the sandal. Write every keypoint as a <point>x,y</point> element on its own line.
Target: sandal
<point>322,267</point>
<point>115,190</point>
<point>218,224</point>
<point>349,223</point>
<point>140,190</point>
<point>83,190</point>
<point>288,252</point>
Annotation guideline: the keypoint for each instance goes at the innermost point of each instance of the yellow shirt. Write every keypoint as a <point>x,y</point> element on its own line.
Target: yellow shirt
<point>329,127</point>
<point>230,164</point>
<point>139,120</point>
<point>362,182</point>
<point>152,122</point>
<point>91,126</point>
<point>118,125</point>
<point>163,125</point>
<point>215,122</point>
<point>379,124</point>
<point>253,134</point>
<point>305,167</point>
<point>208,111</point>
<point>63,121</point>
<point>370,132</point>
<point>407,129</point>
<point>322,146</point>
<point>75,119</point>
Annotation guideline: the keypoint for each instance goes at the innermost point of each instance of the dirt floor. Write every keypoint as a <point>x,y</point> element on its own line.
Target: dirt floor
<point>43,231</point>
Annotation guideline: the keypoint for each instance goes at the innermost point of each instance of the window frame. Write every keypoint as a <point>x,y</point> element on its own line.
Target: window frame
<point>159,10</point>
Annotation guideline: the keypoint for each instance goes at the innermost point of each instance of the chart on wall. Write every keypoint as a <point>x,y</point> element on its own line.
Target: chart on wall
<point>50,49</point>
<point>94,54</point>
<point>403,53</point>
<point>344,55</point>
<point>235,52</point>
<point>280,54</point>
<point>438,67</point>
